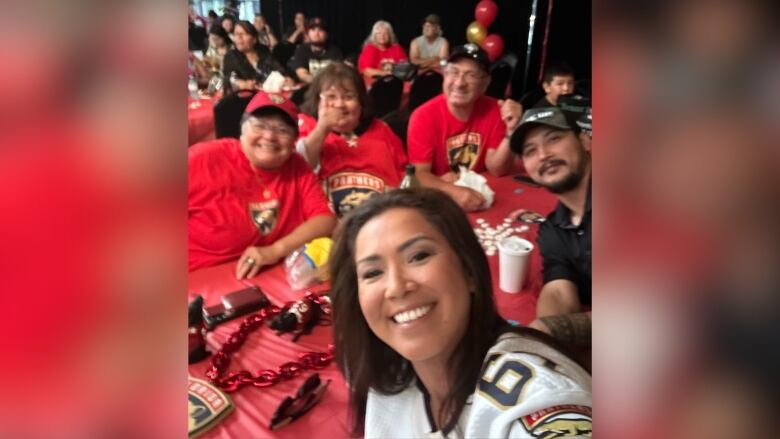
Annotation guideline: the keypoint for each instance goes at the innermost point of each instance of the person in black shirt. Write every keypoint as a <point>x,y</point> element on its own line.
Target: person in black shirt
<point>558,159</point>
<point>297,34</point>
<point>250,61</point>
<point>311,57</point>
<point>558,80</point>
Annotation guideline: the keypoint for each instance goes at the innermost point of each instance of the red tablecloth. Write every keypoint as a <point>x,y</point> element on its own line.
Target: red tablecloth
<point>264,349</point>
<point>200,121</point>
<point>511,195</point>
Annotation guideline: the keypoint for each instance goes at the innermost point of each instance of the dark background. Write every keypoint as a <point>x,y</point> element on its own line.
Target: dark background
<point>349,23</point>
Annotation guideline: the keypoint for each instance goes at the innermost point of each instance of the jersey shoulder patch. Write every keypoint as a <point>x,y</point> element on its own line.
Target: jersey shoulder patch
<point>560,421</point>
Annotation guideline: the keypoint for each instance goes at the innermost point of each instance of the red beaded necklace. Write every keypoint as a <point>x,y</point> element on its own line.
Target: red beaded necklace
<point>234,380</point>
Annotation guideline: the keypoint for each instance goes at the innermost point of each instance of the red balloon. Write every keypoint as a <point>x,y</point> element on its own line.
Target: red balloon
<point>494,46</point>
<point>485,13</point>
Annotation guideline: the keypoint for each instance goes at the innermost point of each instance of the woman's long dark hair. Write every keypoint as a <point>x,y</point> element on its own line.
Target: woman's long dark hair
<point>340,74</point>
<point>250,29</point>
<point>219,31</point>
<point>365,360</point>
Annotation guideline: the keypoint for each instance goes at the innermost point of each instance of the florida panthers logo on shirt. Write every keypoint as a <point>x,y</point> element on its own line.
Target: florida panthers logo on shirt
<point>264,215</point>
<point>348,190</point>
<point>463,150</point>
<point>560,421</point>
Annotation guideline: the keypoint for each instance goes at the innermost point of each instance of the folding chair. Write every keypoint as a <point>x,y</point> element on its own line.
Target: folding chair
<point>424,87</point>
<point>531,97</point>
<point>501,74</point>
<point>228,111</point>
<point>385,94</point>
<point>282,52</point>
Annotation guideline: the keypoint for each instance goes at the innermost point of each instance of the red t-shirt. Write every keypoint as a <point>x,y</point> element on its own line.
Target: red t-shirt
<point>373,164</point>
<point>372,57</point>
<point>232,205</point>
<point>435,136</point>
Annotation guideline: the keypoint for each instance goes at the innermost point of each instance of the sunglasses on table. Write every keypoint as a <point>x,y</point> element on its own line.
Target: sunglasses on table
<point>292,408</point>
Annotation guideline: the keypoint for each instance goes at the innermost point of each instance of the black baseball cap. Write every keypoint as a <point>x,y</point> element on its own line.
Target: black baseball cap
<point>549,116</point>
<point>317,22</point>
<point>470,51</point>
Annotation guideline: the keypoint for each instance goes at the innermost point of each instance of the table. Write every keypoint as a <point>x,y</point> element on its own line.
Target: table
<point>200,120</point>
<point>512,195</point>
<point>264,349</point>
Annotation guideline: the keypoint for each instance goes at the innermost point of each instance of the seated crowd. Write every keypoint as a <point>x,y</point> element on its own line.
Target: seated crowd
<point>331,168</point>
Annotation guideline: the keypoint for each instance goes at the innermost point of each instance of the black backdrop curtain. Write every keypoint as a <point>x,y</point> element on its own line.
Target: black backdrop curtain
<point>349,23</point>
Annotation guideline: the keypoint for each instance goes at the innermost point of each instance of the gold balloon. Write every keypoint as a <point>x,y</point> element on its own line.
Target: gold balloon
<point>475,33</point>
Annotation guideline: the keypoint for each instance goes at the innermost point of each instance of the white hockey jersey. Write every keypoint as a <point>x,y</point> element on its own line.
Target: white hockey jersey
<point>519,395</point>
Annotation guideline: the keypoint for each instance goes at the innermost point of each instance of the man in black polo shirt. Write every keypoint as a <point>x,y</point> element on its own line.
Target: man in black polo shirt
<point>557,158</point>
<point>311,57</point>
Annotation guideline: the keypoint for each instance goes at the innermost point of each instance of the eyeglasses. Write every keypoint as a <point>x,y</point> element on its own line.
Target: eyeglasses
<point>293,408</point>
<point>333,97</point>
<point>279,130</point>
<point>468,76</point>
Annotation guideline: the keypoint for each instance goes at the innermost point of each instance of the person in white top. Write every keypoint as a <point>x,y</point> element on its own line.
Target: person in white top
<point>430,48</point>
<point>419,339</point>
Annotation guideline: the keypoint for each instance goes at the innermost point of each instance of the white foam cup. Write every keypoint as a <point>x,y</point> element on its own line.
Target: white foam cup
<point>513,254</point>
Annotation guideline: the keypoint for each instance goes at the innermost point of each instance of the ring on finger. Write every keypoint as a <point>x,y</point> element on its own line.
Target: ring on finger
<point>249,261</point>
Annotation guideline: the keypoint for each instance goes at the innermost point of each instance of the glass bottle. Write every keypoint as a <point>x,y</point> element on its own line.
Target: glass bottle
<point>410,180</point>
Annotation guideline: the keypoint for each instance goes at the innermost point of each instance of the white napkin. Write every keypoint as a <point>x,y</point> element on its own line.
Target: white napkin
<point>274,83</point>
<point>472,180</point>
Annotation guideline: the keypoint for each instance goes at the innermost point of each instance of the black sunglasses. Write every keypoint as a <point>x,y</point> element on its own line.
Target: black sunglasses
<point>292,408</point>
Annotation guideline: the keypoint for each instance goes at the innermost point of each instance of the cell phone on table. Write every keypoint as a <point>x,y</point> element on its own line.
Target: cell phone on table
<point>235,304</point>
<point>526,179</point>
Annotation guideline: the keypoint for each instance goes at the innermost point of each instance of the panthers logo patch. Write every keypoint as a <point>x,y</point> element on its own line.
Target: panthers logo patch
<point>276,99</point>
<point>561,421</point>
<point>348,190</point>
<point>463,150</point>
<point>264,215</point>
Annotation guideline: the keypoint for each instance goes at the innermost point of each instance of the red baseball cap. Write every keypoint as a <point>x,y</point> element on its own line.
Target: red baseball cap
<point>272,103</point>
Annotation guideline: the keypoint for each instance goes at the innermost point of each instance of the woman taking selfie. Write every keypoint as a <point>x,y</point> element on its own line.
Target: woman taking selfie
<point>420,341</point>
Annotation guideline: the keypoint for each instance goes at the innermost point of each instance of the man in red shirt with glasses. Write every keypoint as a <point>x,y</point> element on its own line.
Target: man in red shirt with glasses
<point>462,128</point>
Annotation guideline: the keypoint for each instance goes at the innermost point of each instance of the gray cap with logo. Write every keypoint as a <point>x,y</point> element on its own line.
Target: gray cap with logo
<point>549,116</point>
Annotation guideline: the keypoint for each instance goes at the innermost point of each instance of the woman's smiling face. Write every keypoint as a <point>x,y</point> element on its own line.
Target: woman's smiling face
<point>412,288</point>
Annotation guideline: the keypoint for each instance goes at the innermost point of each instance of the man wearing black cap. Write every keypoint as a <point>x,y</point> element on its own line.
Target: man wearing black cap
<point>462,128</point>
<point>311,57</point>
<point>556,157</point>
<point>430,48</point>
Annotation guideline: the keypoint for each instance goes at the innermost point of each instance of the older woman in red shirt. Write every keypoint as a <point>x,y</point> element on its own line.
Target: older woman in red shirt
<point>380,51</point>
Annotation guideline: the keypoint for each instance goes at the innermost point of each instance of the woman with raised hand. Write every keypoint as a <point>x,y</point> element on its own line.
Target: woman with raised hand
<point>354,153</point>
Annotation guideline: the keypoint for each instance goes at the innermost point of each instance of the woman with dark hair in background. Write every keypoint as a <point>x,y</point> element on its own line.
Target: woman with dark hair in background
<point>249,60</point>
<point>420,341</point>
<point>219,45</point>
<point>228,23</point>
<point>356,154</point>
<point>265,33</point>
<point>297,33</point>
